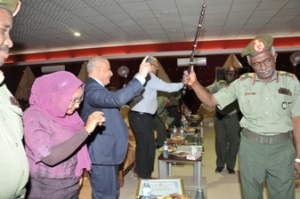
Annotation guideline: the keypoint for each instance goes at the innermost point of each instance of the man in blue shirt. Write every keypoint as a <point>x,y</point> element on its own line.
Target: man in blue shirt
<point>142,122</point>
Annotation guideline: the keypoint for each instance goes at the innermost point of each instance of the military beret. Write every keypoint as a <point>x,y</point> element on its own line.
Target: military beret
<point>230,68</point>
<point>12,6</point>
<point>259,44</point>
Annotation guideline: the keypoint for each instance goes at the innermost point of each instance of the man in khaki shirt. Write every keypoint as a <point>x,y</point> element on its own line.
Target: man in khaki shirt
<point>270,103</point>
<point>226,123</point>
<point>14,168</point>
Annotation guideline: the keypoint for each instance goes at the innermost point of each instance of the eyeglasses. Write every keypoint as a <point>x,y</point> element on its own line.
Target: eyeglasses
<point>76,100</point>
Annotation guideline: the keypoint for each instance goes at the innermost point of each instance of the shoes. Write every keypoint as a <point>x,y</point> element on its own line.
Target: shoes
<point>219,169</point>
<point>135,175</point>
<point>230,171</point>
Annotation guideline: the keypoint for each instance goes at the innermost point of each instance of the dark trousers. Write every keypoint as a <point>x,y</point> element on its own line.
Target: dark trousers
<point>227,131</point>
<point>105,182</point>
<point>161,130</point>
<point>142,126</point>
<point>172,110</point>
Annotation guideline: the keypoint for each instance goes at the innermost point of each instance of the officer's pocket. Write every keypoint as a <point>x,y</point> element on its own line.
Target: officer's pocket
<point>283,102</point>
<point>249,104</point>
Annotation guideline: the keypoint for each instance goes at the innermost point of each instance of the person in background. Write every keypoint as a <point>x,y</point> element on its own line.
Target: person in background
<point>142,122</point>
<point>227,127</point>
<point>162,120</point>
<point>55,136</point>
<point>270,103</point>
<point>13,162</point>
<point>174,109</point>
<point>108,145</point>
<point>162,104</point>
<point>161,131</point>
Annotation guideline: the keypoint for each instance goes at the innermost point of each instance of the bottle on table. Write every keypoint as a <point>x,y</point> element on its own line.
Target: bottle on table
<point>189,114</point>
<point>181,131</point>
<point>165,150</point>
<point>201,130</point>
<point>146,190</point>
<point>183,121</point>
<point>174,132</point>
<point>200,194</point>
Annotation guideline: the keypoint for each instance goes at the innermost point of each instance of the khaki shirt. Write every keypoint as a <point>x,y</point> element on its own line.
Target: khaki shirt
<point>267,107</point>
<point>162,112</point>
<point>14,169</point>
<point>232,107</point>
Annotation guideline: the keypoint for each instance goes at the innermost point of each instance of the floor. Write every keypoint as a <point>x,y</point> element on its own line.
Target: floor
<point>217,186</point>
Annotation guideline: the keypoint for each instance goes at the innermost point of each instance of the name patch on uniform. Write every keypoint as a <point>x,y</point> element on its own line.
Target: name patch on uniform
<point>285,91</point>
<point>250,93</point>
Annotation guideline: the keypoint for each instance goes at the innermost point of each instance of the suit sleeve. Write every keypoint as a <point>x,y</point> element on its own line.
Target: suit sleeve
<point>98,96</point>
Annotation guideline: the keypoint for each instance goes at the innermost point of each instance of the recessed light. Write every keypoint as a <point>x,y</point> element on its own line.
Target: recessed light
<point>77,34</point>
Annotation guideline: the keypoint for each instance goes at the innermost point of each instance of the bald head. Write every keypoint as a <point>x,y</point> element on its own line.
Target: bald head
<point>94,62</point>
<point>99,68</point>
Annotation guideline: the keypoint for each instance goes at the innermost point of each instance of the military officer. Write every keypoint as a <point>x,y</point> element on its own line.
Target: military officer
<point>227,127</point>
<point>270,103</point>
<point>13,162</point>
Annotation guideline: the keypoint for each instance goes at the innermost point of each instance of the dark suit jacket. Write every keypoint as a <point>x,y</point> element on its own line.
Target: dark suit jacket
<point>108,144</point>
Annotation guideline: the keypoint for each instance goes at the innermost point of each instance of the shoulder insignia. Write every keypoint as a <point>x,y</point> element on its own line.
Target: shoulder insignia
<point>284,73</point>
<point>222,81</point>
<point>247,75</point>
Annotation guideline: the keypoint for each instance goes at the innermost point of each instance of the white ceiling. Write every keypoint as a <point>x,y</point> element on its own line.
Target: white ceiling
<point>47,25</point>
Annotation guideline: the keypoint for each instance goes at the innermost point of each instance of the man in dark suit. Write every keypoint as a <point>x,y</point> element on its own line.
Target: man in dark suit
<point>108,146</point>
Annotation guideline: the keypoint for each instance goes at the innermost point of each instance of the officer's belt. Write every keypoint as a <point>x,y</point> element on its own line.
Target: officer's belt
<point>220,116</point>
<point>264,139</point>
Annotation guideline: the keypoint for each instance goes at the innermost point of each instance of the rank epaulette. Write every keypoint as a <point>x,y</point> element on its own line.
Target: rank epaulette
<point>248,75</point>
<point>222,81</point>
<point>284,73</point>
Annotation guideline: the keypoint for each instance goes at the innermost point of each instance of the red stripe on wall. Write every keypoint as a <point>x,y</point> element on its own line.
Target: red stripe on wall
<point>146,48</point>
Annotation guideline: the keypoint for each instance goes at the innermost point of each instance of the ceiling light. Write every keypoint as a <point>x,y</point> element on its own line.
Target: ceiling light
<point>77,34</point>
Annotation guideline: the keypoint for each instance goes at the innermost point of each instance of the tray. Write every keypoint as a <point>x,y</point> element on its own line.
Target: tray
<point>177,137</point>
<point>180,154</point>
<point>170,149</point>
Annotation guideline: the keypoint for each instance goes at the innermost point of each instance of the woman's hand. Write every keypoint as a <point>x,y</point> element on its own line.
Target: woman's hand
<point>94,119</point>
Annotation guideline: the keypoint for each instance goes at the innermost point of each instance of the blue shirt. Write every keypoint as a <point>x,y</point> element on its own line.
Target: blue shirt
<point>149,104</point>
